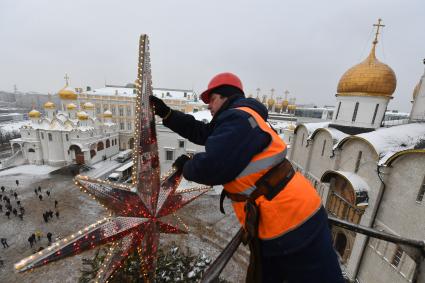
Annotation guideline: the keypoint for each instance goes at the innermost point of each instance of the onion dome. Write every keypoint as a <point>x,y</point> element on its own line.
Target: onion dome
<point>285,103</point>
<point>49,105</point>
<point>270,102</point>
<point>67,93</point>
<point>34,114</point>
<point>88,106</point>
<point>71,106</point>
<point>82,115</point>
<point>369,78</point>
<point>107,114</point>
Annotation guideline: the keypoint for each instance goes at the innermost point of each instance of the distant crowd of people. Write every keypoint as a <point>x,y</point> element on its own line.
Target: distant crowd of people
<point>8,198</point>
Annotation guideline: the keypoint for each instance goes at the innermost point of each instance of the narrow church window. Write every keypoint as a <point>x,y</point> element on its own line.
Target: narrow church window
<point>50,136</point>
<point>42,136</point>
<point>181,143</point>
<point>169,155</point>
<point>323,147</point>
<point>397,256</point>
<point>337,112</point>
<point>374,113</point>
<point>359,157</point>
<point>302,140</point>
<point>421,192</point>
<point>356,108</point>
<point>67,138</point>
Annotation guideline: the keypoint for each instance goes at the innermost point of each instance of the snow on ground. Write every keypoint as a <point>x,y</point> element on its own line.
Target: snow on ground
<point>29,169</point>
<point>209,230</point>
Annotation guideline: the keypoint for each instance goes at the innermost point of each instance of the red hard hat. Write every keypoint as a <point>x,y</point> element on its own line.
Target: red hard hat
<point>219,80</point>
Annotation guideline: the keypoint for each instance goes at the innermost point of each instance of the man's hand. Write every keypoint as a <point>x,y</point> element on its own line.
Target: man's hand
<point>180,161</point>
<point>159,107</point>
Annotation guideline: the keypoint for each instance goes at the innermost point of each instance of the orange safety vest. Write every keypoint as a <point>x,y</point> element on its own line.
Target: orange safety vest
<point>290,208</point>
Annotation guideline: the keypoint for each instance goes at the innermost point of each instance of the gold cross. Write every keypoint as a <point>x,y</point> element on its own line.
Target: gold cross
<point>378,25</point>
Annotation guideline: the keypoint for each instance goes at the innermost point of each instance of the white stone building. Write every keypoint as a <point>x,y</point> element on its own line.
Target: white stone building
<point>368,174</point>
<point>70,134</point>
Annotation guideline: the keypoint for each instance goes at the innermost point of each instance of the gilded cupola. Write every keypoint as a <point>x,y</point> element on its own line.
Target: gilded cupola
<point>368,78</point>
<point>34,114</point>
<point>67,93</point>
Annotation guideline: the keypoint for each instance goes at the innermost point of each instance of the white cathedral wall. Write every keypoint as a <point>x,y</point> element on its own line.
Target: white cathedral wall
<point>368,172</point>
<point>55,149</point>
<point>365,111</point>
<point>399,209</point>
<point>299,151</point>
<point>418,108</point>
<point>320,163</point>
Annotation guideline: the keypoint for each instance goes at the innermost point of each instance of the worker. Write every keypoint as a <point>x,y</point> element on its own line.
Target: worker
<point>284,221</point>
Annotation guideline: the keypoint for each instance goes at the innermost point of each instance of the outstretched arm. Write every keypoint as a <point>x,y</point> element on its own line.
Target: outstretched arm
<point>228,150</point>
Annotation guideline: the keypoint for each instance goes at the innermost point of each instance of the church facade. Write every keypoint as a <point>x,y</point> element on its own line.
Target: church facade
<point>369,174</point>
<point>70,134</point>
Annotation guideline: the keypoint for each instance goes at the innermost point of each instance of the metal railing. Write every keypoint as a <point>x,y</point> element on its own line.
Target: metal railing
<point>213,272</point>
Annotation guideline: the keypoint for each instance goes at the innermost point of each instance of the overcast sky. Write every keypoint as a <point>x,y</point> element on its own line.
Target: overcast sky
<point>301,46</point>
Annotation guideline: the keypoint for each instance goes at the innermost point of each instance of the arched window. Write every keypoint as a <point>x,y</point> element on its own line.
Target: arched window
<point>31,150</point>
<point>92,153</point>
<point>108,143</point>
<point>99,146</point>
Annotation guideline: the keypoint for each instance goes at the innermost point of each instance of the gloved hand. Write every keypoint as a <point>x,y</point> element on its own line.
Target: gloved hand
<point>160,108</point>
<point>180,161</point>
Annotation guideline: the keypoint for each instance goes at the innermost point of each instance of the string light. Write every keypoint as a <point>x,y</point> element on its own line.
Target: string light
<point>136,224</point>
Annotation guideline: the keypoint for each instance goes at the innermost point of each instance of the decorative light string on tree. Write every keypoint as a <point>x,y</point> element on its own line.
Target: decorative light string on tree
<point>136,211</point>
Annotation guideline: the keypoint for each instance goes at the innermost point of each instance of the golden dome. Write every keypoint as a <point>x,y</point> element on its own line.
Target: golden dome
<point>291,127</point>
<point>82,115</point>
<point>49,105</point>
<point>34,114</point>
<point>67,93</point>
<point>88,106</point>
<point>292,107</point>
<point>71,106</point>
<point>107,114</point>
<point>270,102</point>
<point>369,78</point>
<point>285,103</point>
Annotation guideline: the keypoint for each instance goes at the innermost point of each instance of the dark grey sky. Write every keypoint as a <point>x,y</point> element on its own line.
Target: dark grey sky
<point>302,46</point>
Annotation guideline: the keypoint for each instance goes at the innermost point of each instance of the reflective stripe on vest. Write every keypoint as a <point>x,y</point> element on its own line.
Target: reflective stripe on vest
<point>291,207</point>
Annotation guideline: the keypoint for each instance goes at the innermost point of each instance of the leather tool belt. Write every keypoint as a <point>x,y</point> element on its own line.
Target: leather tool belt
<point>269,185</point>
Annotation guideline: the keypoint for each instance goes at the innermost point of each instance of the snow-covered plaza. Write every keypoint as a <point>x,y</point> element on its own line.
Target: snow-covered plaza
<point>209,230</point>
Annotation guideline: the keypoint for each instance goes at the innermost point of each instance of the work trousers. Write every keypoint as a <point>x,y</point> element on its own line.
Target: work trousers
<point>305,255</point>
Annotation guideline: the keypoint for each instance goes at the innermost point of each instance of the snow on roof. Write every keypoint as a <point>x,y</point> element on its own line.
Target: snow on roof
<point>388,141</point>
<point>204,115</point>
<point>165,93</point>
<point>357,182</point>
<point>121,91</point>
<point>337,135</point>
<point>172,93</point>
<point>277,125</point>
<point>311,127</point>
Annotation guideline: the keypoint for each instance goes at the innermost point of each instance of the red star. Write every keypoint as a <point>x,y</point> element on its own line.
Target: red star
<point>142,211</point>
